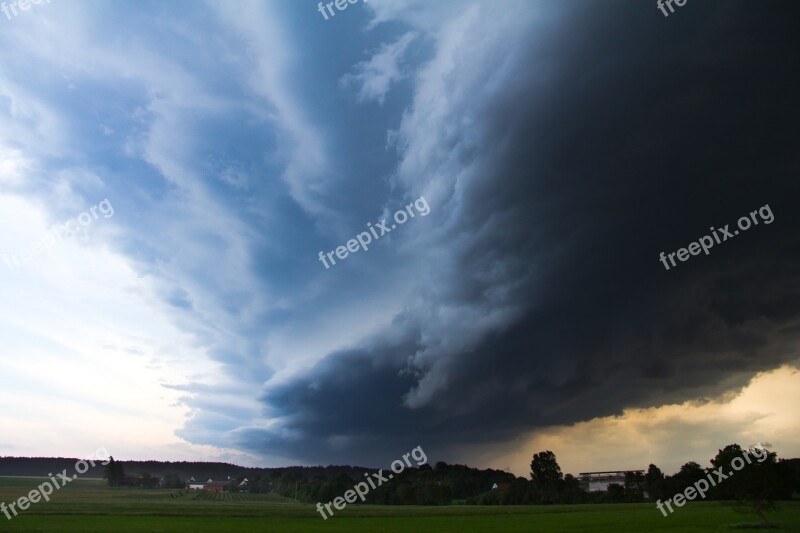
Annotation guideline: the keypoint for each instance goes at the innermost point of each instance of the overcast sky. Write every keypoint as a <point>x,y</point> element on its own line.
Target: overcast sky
<point>560,145</point>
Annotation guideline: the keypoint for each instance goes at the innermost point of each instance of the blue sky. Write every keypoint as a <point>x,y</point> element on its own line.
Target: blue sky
<point>236,140</point>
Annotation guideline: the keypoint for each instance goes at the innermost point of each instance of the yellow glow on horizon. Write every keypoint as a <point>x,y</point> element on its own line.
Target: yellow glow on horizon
<point>668,436</point>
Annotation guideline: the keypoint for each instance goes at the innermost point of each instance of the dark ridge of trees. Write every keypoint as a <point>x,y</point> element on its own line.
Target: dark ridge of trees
<point>201,471</point>
<point>426,485</point>
<point>41,466</point>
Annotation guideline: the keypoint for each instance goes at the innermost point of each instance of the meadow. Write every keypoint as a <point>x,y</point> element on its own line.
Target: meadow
<point>89,505</point>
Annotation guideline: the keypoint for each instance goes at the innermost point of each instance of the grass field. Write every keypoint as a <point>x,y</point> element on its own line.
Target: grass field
<point>88,505</point>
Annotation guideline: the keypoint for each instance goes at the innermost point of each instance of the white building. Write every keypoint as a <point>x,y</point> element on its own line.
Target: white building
<point>599,481</point>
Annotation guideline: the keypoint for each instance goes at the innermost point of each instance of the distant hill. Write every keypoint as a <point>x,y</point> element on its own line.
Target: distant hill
<point>42,466</point>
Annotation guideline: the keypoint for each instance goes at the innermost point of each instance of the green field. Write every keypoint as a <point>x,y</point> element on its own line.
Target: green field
<point>88,505</point>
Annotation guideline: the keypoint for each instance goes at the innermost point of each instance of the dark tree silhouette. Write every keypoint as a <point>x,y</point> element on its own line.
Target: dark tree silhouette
<point>756,485</point>
<point>725,491</point>
<point>546,475</point>
<point>634,487</point>
<point>114,473</point>
<point>654,483</point>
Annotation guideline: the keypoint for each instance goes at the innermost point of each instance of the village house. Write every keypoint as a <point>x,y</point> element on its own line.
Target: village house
<point>216,486</point>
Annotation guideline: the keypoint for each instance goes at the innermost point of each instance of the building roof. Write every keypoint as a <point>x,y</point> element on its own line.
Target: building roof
<point>622,472</point>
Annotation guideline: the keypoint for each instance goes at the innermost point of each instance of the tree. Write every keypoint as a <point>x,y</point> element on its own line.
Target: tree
<point>654,483</point>
<point>173,481</point>
<point>546,475</point>
<point>520,492</point>
<point>726,491</point>
<point>789,473</point>
<point>571,491</point>
<point>114,473</point>
<point>335,486</point>
<point>615,493</point>
<point>634,481</point>
<point>109,472</point>
<point>757,484</point>
<point>689,474</point>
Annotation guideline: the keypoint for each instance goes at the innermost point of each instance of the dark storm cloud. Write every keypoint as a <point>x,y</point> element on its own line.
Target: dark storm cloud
<point>621,134</point>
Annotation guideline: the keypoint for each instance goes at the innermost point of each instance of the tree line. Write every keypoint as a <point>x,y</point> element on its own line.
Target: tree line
<point>757,486</point>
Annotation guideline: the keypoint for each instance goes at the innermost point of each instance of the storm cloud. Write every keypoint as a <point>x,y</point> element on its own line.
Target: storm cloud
<point>562,147</point>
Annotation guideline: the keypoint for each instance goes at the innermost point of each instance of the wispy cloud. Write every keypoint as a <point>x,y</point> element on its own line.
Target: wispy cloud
<point>374,77</point>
